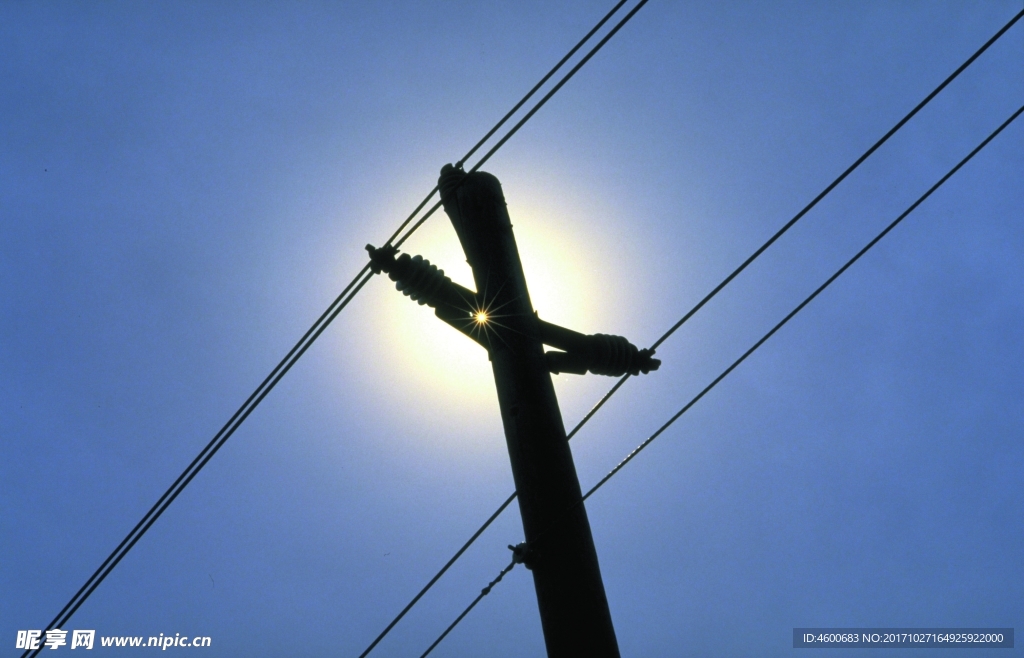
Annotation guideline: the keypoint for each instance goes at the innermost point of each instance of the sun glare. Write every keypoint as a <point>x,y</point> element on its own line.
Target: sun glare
<point>437,369</point>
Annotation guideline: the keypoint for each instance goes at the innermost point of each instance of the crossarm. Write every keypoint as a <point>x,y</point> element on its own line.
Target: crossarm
<point>422,282</point>
<point>601,354</point>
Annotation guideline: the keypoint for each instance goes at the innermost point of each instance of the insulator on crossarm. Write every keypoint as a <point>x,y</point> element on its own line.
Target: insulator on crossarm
<point>417,278</point>
<point>414,276</point>
<point>601,354</point>
<point>615,356</point>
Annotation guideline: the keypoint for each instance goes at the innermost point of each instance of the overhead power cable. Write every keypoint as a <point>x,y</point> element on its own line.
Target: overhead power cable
<point>484,592</point>
<point>607,396</point>
<point>788,225</point>
<point>750,351</point>
<point>205,455</point>
<point>804,303</point>
<point>501,122</point>
<point>568,76</point>
<point>340,302</point>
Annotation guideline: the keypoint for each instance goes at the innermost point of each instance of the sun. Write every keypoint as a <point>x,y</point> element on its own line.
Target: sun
<point>435,371</point>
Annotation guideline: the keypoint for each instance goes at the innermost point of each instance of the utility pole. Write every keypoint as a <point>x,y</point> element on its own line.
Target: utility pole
<point>559,547</point>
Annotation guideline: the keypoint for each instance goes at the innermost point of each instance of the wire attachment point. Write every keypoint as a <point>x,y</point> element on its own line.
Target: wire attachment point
<point>383,259</point>
<point>523,554</point>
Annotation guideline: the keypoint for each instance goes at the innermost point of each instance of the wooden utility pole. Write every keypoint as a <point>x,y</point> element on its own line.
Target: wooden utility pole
<point>570,594</point>
<point>559,547</point>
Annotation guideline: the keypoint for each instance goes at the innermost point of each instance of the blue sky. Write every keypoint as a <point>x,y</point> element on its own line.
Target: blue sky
<point>184,187</point>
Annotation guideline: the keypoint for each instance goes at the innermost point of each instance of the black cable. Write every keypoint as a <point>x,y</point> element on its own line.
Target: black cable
<point>297,350</point>
<point>479,531</point>
<point>607,396</point>
<point>804,303</point>
<point>540,104</point>
<point>540,84</point>
<point>484,592</point>
<point>788,225</point>
<point>437,576</point>
<point>207,452</point>
<point>561,83</point>
<point>501,122</point>
<point>458,553</point>
<point>838,180</point>
<point>750,351</point>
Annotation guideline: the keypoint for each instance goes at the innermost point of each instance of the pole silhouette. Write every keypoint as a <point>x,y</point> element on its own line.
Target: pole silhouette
<point>559,547</point>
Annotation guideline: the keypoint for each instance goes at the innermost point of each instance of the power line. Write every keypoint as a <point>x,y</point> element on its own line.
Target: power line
<point>607,396</point>
<point>540,84</point>
<point>318,327</point>
<point>204,456</point>
<point>804,303</point>
<point>788,225</point>
<point>469,542</point>
<point>501,122</point>
<point>484,592</point>
<point>753,348</point>
<point>540,104</point>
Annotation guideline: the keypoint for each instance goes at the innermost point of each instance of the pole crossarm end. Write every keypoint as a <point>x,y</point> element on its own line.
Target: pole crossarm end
<point>418,279</point>
<point>600,354</point>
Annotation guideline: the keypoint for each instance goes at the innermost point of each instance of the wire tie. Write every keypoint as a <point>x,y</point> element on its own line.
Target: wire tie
<point>522,554</point>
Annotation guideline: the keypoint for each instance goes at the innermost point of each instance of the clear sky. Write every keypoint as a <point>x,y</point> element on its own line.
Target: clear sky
<point>185,186</point>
